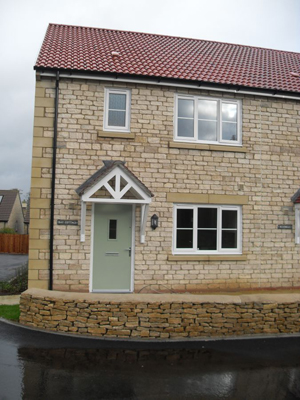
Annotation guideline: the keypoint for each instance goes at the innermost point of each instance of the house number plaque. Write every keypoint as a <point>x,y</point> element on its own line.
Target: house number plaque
<point>67,222</point>
<point>285,226</point>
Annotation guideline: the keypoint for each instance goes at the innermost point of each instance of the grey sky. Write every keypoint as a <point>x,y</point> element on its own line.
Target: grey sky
<point>264,23</point>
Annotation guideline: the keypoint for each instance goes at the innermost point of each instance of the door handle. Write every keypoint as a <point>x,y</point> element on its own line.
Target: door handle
<point>129,250</point>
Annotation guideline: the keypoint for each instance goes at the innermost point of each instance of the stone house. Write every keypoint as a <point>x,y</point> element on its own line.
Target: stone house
<point>26,214</point>
<point>163,164</point>
<point>11,213</point>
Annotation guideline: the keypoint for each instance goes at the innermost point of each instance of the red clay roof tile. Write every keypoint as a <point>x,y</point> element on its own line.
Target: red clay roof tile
<point>91,50</point>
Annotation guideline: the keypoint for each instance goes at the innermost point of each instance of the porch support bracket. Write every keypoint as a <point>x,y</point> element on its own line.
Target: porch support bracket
<point>82,224</point>
<point>297,223</point>
<point>144,217</point>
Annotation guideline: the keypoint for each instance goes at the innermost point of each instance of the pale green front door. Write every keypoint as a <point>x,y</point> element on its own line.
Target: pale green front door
<point>112,248</point>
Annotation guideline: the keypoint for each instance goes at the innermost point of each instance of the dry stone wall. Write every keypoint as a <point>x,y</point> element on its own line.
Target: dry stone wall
<point>160,316</point>
<point>264,171</point>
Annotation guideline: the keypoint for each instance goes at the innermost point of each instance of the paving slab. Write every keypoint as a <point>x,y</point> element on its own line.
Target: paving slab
<point>230,298</point>
<point>10,300</point>
<point>10,264</point>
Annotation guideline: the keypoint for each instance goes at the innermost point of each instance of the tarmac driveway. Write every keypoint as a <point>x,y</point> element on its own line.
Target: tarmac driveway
<point>10,264</point>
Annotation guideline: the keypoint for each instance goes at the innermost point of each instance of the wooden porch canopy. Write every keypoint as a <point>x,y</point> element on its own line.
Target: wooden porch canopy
<point>114,183</point>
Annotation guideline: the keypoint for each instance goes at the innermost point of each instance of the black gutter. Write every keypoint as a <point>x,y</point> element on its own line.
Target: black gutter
<point>53,182</point>
<point>194,84</point>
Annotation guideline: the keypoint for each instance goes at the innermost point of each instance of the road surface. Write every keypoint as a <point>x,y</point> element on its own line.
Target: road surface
<point>39,365</point>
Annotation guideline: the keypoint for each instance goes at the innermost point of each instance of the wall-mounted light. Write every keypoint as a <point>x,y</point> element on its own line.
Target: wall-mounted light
<point>154,221</point>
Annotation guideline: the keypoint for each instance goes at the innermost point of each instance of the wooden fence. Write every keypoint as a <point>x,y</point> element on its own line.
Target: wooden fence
<point>14,243</point>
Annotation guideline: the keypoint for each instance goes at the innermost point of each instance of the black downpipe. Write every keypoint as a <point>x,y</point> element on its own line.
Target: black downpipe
<point>53,182</point>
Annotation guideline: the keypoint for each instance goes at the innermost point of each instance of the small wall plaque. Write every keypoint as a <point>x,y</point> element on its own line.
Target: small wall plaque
<point>285,227</point>
<point>67,222</point>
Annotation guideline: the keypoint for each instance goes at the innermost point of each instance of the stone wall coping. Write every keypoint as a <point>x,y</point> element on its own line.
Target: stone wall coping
<point>293,297</point>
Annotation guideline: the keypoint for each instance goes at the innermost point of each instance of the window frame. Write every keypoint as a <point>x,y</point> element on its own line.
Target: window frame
<point>113,128</point>
<point>219,250</point>
<point>219,101</point>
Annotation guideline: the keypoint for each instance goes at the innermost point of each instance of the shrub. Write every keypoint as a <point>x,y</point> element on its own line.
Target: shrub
<point>7,230</point>
<point>18,284</point>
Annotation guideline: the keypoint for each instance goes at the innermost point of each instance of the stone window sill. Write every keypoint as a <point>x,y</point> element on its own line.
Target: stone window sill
<point>211,147</point>
<point>123,135</point>
<point>196,257</point>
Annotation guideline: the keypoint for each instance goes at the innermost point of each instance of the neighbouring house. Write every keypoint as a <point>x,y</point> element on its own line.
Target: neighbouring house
<point>11,213</point>
<point>24,207</point>
<point>163,164</point>
<point>26,213</point>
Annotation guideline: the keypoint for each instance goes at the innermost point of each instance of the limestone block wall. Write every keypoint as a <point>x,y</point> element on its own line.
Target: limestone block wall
<point>262,175</point>
<point>38,275</point>
<point>154,316</point>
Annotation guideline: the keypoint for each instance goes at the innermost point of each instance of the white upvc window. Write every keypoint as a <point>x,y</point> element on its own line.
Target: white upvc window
<point>207,229</point>
<point>208,120</point>
<point>117,110</point>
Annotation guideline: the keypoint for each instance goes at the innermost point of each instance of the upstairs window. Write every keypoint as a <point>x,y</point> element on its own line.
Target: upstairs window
<point>207,229</point>
<point>208,120</point>
<point>117,110</point>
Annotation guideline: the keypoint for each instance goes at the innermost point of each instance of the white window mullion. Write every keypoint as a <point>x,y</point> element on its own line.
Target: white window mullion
<point>195,229</point>
<point>128,109</point>
<point>196,119</point>
<point>174,229</point>
<point>239,230</point>
<point>219,121</point>
<point>239,125</point>
<point>219,229</point>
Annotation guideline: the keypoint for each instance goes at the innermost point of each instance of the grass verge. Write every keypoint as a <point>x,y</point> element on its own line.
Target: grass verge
<point>10,312</point>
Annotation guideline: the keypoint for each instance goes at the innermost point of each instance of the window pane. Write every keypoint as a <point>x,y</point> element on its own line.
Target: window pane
<point>185,108</point>
<point>207,109</point>
<point>229,219</point>
<point>207,217</point>
<point>229,131</point>
<point>184,239</point>
<point>185,218</point>
<point>207,240</point>
<point>229,112</point>
<point>229,239</point>
<point>112,234</point>
<point>207,130</point>
<point>186,127</point>
<point>117,101</point>
<point>116,118</point>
